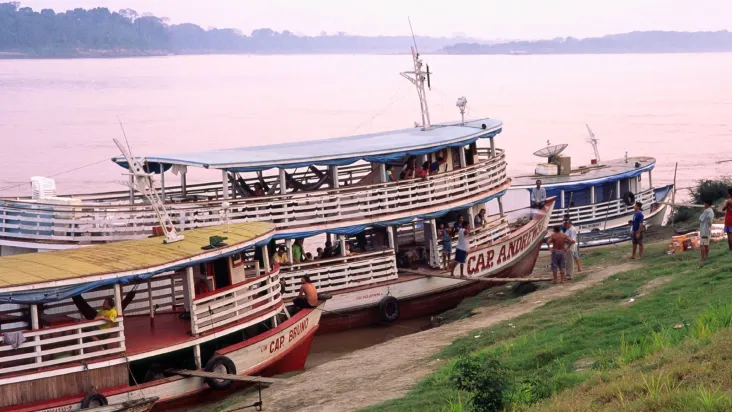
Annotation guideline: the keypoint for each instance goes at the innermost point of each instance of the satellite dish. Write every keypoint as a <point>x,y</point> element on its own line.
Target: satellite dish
<point>550,151</point>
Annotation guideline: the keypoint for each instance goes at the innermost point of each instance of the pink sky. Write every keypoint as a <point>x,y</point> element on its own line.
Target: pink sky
<point>487,19</point>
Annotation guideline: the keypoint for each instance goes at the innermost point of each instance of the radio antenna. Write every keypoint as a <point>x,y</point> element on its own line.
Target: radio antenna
<point>414,39</point>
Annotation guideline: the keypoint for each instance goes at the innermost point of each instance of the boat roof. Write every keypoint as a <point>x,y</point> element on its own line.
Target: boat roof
<point>379,147</point>
<point>608,171</point>
<point>140,259</point>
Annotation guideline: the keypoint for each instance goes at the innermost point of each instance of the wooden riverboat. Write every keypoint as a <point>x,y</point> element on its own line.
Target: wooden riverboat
<point>597,198</point>
<point>56,355</point>
<point>347,191</point>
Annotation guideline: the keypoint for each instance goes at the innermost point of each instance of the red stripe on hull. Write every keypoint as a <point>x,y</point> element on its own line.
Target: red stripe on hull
<point>424,305</point>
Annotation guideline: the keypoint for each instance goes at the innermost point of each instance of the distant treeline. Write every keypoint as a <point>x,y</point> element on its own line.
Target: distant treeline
<point>100,31</point>
<point>635,42</point>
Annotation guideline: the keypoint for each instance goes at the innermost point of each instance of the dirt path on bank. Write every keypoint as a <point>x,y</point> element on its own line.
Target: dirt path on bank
<point>389,370</point>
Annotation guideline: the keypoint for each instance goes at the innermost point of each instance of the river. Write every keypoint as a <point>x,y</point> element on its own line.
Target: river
<point>59,115</point>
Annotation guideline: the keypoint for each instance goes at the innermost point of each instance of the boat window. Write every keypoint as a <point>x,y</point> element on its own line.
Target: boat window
<point>579,198</point>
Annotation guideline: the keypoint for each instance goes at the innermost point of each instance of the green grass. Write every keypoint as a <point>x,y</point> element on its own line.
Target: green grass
<point>579,341</point>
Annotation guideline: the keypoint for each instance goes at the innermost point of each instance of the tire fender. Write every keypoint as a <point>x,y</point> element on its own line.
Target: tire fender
<point>214,365</point>
<point>389,309</point>
<point>93,400</point>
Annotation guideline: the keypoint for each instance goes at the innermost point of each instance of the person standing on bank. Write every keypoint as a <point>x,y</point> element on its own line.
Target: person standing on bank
<point>538,196</point>
<point>728,218</point>
<point>557,243</point>
<point>573,253</point>
<point>705,229</point>
<point>461,252</point>
<point>637,229</point>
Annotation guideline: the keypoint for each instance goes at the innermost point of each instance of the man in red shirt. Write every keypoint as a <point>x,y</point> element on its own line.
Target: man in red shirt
<point>728,218</point>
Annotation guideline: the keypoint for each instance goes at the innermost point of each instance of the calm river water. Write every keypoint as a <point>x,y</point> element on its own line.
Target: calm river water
<point>57,115</point>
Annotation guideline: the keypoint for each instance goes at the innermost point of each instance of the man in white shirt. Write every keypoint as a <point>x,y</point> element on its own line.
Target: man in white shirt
<point>461,252</point>
<point>705,229</point>
<point>573,254</point>
<point>538,196</point>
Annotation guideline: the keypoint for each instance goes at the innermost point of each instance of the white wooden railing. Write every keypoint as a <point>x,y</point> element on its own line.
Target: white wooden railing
<point>493,231</point>
<point>342,272</point>
<point>605,210</point>
<point>88,223</point>
<point>247,301</point>
<point>62,344</point>
<point>163,287</point>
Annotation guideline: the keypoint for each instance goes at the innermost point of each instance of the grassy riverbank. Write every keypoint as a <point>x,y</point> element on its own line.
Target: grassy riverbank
<point>667,349</point>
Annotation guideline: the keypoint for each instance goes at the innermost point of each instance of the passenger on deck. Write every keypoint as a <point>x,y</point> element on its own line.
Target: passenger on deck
<point>281,257</point>
<point>328,251</point>
<point>461,253</point>
<point>446,235</point>
<point>319,252</point>
<point>390,174</point>
<point>459,223</point>
<point>423,171</point>
<point>480,219</point>
<point>259,190</point>
<point>436,166</point>
<point>407,173</point>
<point>308,297</point>
<point>297,251</point>
<point>308,257</point>
<point>107,313</point>
<point>538,196</point>
<point>348,249</point>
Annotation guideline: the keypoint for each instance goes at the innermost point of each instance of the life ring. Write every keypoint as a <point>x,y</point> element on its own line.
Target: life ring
<point>93,400</point>
<point>629,198</point>
<point>389,309</point>
<point>215,365</point>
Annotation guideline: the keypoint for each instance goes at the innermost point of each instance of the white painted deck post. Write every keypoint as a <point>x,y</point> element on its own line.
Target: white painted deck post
<point>650,179</point>
<point>342,241</point>
<point>500,207</point>
<point>162,182</point>
<point>471,218</point>
<point>493,148</point>
<point>225,183</point>
<point>283,182</point>
<point>190,296</point>
<point>594,201</point>
<point>334,176</point>
<point>150,301</point>
<point>288,244</point>
<point>265,258</point>
<point>433,243</point>
<point>197,356</point>
<point>382,172</point>
<point>561,199</point>
<point>618,197</point>
<point>390,237</point>
<point>183,184</point>
<point>132,190</point>
<point>35,325</point>
<point>463,161</point>
<point>118,307</point>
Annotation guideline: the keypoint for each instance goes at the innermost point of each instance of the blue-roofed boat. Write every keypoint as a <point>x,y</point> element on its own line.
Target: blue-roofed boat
<point>362,195</point>
<point>597,198</point>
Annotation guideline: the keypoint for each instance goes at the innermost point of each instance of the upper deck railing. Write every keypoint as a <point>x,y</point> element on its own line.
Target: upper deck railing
<point>93,223</point>
<point>603,211</point>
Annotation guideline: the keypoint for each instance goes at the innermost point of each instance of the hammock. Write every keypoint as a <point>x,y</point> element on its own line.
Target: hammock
<point>90,313</point>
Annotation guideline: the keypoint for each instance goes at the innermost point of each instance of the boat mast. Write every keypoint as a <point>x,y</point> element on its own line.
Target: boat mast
<point>143,183</point>
<point>593,141</point>
<point>418,81</point>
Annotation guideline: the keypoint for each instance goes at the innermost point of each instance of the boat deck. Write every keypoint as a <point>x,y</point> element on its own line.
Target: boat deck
<point>607,169</point>
<point>143,334</point>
